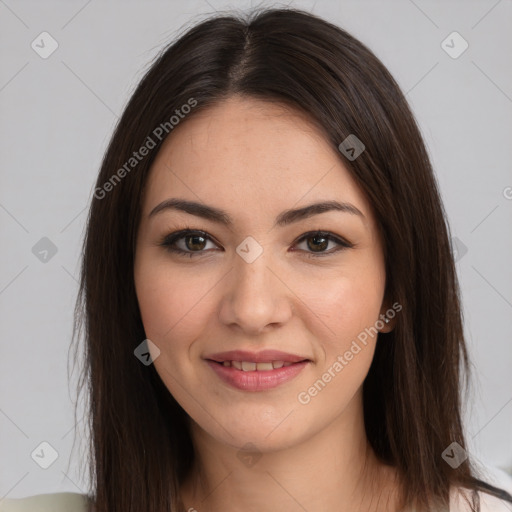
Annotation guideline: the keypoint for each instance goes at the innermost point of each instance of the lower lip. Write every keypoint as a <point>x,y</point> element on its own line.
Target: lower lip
<point>257,380</point>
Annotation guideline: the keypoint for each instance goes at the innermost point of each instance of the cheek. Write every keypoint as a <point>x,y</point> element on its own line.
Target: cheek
<point>172,303</point>
<point>348,308</point>
<point>347,303</point>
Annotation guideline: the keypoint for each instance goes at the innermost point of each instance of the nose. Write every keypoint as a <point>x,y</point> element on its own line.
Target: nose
<point>255,296</point>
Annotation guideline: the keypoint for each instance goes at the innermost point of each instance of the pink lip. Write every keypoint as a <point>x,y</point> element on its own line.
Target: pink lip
<point>264,356</point>
<point>257,380</point>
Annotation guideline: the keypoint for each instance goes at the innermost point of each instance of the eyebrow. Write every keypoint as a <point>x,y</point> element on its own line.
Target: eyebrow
<point>283,219</point>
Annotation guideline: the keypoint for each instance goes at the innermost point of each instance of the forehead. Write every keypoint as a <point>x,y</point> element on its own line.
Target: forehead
<point>252,154</point>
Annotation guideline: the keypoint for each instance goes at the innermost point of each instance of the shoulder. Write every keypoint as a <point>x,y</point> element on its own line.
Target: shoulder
<point>57,502</point>
<point>491,503</point>
<point>488,503</point>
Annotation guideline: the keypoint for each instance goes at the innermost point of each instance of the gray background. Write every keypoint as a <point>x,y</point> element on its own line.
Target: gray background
<point>58,114</point>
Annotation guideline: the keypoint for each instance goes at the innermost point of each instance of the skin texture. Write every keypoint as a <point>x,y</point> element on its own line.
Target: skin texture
<point>255,159</point>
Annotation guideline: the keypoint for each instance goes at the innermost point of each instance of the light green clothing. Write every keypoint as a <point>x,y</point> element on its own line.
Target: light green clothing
<point>73,502</point>
<point>56,502</point>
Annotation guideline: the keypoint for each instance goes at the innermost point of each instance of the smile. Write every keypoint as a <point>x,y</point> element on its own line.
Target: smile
<point>249,366</point>
<point>252,376</point>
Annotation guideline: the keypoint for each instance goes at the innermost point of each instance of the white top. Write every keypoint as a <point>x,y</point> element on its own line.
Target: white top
<point>488,503</point>
<point>57,502</point>
<point>73,502</point>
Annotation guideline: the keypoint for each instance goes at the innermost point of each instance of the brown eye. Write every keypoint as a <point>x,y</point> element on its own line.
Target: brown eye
<point>194,243</point>
<point>318,241</point>
<point>187,242</point>
<point>197,242</point>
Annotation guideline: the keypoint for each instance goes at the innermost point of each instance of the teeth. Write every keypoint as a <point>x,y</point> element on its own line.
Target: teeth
<point>248,366</point>
<point>264,367</point>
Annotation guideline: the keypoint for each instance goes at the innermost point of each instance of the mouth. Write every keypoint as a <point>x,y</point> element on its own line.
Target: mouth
<point>261,371</point>
<point>245,359</point>
<point>256,371</point>
<point>251,366</point>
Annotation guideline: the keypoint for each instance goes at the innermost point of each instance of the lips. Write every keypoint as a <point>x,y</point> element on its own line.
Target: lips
<point>264,356</point>
<point>249,366</point>
<point>256,371</point>
<point>256,380</point>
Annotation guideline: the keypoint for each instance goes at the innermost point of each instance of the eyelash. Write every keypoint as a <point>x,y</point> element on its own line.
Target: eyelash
<point>169,240</point>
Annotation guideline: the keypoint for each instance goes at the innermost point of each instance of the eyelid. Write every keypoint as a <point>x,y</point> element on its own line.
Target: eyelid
<point>327,234</point>
<point>173,237</point>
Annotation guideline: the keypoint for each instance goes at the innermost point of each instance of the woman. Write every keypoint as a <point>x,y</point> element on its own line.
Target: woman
<point>268,295</point>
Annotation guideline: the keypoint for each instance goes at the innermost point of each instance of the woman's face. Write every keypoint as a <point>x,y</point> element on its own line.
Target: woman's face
<point>265,281</point>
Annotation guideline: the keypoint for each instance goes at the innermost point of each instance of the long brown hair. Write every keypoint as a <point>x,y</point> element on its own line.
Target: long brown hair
<point>141,450</point>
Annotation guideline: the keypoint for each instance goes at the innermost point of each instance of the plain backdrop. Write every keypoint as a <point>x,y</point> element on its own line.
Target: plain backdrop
<point>58,113</point>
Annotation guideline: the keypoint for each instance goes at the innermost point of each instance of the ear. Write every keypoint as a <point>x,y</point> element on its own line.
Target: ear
<point>387,316</point>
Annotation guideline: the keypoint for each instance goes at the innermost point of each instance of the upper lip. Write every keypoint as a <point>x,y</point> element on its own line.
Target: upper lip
<point>264,356</point>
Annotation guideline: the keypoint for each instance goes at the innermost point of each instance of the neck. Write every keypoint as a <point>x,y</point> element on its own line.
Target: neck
<point>332,470</point>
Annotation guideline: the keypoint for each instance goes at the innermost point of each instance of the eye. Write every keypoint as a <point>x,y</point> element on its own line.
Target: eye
<point>191,243</point>
<point>320,241</point>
